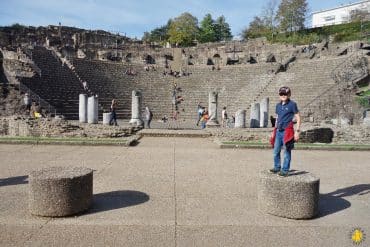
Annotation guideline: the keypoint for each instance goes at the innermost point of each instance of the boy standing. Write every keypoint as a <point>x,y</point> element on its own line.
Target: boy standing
<point>283,134</point>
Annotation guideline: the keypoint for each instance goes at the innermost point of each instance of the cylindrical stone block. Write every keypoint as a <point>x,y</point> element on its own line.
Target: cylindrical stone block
<point>92,110</point>
<point>240,119</point>
<point>264,112</point>
<point>212,109</point>
<point>135,109</point>
<point>60,191</point>
<point>295,196</point>
<point>255,115</point>
<point>106,118</point>
<point>82,112</point>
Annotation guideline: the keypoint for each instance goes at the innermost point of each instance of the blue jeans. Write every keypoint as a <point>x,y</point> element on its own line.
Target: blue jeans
<point>279,143</point>
<point>113,118</point>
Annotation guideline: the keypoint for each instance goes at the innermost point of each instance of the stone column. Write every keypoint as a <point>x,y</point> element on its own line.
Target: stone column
<point>367,118</point>
<point>106,118</point>
<point>240,119</point>
<point>82,112</point>
<point>255,115</point>
<point>212,109</point>
<point>92,110</point>
<point>264,112</point>
<point>135,109</point>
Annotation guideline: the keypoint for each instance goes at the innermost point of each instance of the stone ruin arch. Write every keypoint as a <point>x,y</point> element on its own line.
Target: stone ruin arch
<point>251,60</point>
<point>148,59</point>
<point>214,60</point>
<point>128,57</point>
<point>271,58</point>
<point>210,61</point>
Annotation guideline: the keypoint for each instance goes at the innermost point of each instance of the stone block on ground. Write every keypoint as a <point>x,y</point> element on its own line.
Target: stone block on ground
<point>295,196</point>
<point>60,191</point>
<point>107,117</point>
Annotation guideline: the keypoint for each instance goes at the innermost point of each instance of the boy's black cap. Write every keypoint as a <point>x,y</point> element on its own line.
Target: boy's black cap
<point>285,90</point>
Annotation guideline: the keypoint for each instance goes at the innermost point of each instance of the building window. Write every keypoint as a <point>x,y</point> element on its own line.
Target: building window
<point>329,18</point>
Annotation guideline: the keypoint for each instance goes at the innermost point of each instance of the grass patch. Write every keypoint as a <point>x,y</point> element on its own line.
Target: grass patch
<point>312,146</point>
<point>65,140</point>
<point>363,99</point>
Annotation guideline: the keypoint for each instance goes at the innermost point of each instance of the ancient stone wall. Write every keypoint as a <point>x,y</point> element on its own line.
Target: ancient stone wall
<point>47,127</point>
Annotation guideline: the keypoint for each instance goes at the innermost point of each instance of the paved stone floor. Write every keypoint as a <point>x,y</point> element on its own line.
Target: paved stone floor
<point>182,192</point>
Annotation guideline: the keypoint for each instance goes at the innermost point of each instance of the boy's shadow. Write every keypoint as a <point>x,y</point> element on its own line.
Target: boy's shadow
<point>333,202</point>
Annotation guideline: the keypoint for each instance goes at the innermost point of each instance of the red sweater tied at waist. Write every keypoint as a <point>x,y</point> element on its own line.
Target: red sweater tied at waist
<point>288,135</point>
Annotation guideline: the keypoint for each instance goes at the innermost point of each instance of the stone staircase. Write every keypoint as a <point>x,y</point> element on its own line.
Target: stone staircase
<point>308,79</point>
<point>57,85</point>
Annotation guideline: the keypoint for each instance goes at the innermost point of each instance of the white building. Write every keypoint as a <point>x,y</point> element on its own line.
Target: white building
<point>339,14</point>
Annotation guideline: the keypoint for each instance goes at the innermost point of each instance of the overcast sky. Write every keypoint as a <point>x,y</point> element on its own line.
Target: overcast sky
<point>134,17</point>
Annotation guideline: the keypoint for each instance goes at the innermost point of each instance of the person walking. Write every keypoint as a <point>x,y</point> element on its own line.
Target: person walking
<point>113,108</point>
<point>148,117</point>
<point>200,111</point>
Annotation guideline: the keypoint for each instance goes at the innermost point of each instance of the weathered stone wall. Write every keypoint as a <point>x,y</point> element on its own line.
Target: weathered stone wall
<point>20,126</point>
<point>353,134</point>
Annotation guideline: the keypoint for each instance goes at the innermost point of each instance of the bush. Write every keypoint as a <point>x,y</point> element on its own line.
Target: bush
<point>341,33</point>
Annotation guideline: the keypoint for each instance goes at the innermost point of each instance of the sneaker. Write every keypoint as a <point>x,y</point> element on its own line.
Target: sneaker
<point>283,174</point>
<point>273,170</point>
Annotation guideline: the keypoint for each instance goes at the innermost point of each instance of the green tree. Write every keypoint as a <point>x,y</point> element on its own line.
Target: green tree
<point>222,29</point>
<point>146,37</point>
<point>183,30</point>
<point>257,28</point>
<point>207,32</point>
<point>263,25</point>
<point>159,34</point>
<point>269,14</point>
<point>291,15</point>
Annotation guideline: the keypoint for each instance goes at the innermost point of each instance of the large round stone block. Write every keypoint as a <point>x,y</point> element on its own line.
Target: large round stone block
<point>60,191</point>
<point>295,196</point>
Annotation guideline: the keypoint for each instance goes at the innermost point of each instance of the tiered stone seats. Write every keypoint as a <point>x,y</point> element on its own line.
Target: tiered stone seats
<point>109,80</point>
<point>308,79</point>
<point>238,85</point>
<point>57,84</point>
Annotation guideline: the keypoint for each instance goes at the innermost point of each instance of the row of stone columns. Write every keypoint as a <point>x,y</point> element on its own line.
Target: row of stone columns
<point>258,114</point>
<point>88,109</point>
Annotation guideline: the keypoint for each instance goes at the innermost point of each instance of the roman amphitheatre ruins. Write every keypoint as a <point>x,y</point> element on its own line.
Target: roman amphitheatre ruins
<point>52,64</point>
<point>153,187</point>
